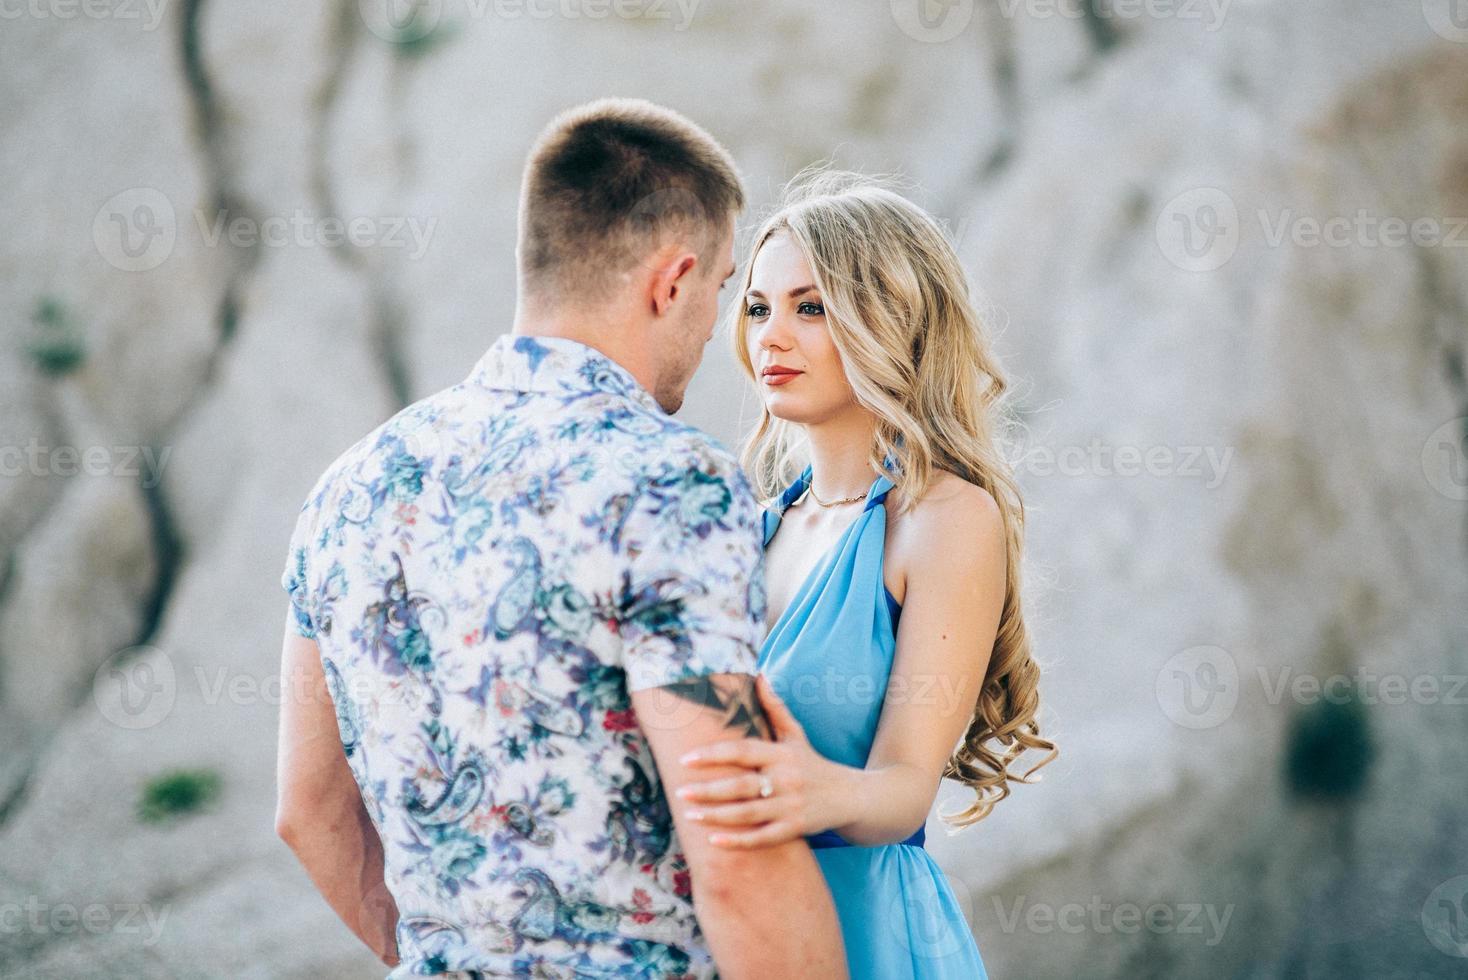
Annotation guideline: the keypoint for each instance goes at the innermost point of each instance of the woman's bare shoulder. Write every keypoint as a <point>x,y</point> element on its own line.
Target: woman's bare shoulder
<point>948,497</point>
<point>951,510</point>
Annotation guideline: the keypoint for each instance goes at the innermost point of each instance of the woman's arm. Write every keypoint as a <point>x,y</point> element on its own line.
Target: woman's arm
<point>954,596</point>
<point>950,615</point>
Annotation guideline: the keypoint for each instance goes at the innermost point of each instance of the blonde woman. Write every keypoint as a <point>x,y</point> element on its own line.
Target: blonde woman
<point>857,326</point>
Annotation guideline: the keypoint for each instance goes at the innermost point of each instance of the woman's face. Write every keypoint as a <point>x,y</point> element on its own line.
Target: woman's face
<point>796,364</point>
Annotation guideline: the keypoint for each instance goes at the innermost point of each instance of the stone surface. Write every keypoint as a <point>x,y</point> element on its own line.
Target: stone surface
<point>1067,157</point>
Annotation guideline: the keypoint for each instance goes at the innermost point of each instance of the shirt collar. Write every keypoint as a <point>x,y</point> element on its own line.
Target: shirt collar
<point>557,366</point>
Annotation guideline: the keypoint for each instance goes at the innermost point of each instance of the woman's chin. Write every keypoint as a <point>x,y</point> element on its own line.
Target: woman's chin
<point>785,409</point>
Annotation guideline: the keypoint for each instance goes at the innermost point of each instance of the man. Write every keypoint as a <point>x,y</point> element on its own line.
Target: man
<point>519,601</point>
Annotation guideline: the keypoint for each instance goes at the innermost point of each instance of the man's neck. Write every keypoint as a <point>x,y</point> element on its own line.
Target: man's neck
<point>603,332</point>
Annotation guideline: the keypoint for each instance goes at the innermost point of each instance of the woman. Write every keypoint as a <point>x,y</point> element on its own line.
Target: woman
<point>857,325</point>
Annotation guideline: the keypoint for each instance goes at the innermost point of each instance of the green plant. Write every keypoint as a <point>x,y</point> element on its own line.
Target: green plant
<point>57,348</point>
<point>178,792</point>
<point>1329,749</point>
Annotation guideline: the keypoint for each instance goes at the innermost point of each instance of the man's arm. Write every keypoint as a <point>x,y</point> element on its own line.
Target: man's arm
<point>319,810</point>
<point>766,912</point>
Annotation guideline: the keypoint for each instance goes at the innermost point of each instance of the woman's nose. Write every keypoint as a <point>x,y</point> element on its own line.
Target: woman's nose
<point>773,335</point>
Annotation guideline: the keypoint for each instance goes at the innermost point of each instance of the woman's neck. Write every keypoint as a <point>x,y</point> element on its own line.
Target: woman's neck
<point>839,451</point>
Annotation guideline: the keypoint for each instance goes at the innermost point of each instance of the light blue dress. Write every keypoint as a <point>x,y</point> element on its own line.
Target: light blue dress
<point>829,657</point>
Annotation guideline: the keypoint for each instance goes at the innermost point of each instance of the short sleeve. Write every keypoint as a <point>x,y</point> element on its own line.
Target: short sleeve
<point>294,579</point>
<point>692,600</point>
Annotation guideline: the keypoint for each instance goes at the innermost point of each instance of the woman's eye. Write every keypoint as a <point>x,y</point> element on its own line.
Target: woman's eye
<point>810,309</point>
<point>757,310</point>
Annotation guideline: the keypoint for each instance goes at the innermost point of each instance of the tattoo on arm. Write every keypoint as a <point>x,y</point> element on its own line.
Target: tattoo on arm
<point>733,696</point>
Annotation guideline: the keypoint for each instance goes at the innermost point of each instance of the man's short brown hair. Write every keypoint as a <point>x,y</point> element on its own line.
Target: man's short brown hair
<point>608,182</point>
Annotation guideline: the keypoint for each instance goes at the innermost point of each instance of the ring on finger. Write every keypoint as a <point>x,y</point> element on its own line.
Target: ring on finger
<point>766,787</point>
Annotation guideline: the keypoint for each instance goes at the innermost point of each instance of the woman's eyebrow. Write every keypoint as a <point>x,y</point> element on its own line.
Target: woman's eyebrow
<point>792,294</point>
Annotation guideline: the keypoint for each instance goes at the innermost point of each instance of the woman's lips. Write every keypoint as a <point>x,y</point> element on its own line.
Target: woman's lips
<point>781,377</point>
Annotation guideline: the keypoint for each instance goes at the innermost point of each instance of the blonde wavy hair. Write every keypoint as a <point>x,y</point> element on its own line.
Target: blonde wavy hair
<point>902,317</point>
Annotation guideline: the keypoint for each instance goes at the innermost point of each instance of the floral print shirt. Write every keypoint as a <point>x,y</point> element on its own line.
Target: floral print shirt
<point>487,575</point>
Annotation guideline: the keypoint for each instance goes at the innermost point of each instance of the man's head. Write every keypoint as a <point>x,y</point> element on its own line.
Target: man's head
<point>627,227</point>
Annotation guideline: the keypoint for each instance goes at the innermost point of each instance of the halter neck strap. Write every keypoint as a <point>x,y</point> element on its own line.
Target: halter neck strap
<point>878,492</point>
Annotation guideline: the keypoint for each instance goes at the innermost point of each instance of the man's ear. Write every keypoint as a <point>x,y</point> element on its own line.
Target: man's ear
<point>671,277</point>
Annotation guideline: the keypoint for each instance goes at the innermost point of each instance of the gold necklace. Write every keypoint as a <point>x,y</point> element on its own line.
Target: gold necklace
<point>811,490</point>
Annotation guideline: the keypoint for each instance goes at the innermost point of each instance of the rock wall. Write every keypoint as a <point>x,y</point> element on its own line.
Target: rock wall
<point>192,312</point>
